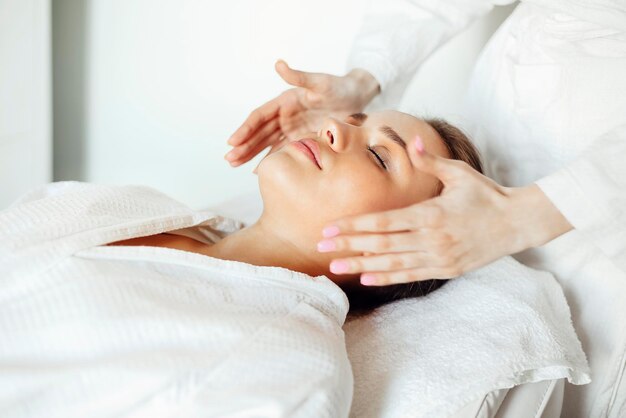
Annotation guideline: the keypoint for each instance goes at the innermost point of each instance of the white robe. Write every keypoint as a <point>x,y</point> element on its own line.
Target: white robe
<point>546,104</point>
<point>89,330</point>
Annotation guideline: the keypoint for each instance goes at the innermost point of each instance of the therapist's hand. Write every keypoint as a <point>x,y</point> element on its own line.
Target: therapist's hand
<point>300,110</point>
<point>473,222</point>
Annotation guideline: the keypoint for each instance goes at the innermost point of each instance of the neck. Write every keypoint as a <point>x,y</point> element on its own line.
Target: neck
<point>266,244</point>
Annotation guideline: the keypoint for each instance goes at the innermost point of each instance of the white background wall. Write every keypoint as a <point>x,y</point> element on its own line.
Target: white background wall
<point>25,103</point>
<point>148,91</point>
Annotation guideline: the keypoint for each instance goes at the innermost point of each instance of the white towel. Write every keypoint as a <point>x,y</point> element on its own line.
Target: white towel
<point>101,331</point>
<point>137,344</point>
<point>499,326</point>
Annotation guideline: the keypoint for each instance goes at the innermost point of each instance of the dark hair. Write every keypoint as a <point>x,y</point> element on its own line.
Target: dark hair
<point>459,148</point>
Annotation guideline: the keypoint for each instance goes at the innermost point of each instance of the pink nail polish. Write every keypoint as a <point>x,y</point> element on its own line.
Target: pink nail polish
<point>330,231</point>
<point>326,245</point>
<point>338,267</point>
<point>419,144</point>
<point>368,279</point>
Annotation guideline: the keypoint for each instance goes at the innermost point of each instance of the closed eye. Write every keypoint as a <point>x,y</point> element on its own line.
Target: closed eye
<point>381,162</point>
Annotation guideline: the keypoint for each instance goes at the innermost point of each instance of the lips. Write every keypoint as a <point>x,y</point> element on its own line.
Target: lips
<point>311,149</point>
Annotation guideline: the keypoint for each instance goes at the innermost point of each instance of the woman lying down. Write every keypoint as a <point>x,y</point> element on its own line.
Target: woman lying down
<point>123,301</point>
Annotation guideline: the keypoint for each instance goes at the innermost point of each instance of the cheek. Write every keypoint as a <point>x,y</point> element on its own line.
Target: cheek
<point>362,191</point>
<point>290,189</point>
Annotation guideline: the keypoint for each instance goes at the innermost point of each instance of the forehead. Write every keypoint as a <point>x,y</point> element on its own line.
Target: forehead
<point>408,126</point>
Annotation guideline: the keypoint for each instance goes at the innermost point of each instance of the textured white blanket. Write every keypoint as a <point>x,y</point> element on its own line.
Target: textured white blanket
<point>89,330</point>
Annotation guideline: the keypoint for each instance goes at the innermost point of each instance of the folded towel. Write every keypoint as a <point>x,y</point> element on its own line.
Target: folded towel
<point>499,326</point>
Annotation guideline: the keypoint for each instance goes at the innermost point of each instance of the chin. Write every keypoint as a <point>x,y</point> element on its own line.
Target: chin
<point>294,192</point>
<point>281,183</point>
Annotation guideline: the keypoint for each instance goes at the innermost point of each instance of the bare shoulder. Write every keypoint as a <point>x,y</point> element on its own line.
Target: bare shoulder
<point>177,242</point>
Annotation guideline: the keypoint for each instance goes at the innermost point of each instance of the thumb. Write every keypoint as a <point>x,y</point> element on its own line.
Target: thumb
<point>443,168</point>
<point>295,77</point>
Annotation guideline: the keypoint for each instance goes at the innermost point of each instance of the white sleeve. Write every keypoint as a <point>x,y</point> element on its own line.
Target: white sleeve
<point>591,193</point>
<point>396,36</point>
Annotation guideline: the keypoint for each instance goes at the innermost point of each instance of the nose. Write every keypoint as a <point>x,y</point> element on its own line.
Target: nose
<point>336,134</point>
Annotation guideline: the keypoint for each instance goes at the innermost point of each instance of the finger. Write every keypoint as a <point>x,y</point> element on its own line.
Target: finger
<point>256,119</point>
<point>445,169</point>
<point>259,148</point>
<point>376,243</point>
<point>299,78</point>
<point>273,137</point>
<point>260,136</point>
<point>385,262</point>
<point>422,215</point>
<point>409,275</point>
<point>278,144</point>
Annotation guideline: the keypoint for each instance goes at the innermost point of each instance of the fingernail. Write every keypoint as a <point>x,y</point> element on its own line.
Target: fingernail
<point>338,267</point>
<point>326,245</point>
<point>368,279</point>
<point>419,144</point>
<point>330,231</point>
<point>230,156</point>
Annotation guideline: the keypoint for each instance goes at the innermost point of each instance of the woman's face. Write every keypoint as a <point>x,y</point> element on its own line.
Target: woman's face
<point>349,167</point>
<point>359,165</point>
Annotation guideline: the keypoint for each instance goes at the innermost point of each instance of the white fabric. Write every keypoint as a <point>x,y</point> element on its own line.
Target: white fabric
<point>546,104</point>
<point>396,36</point>
<point>497,327</point>
<point>146,331</point>
<point>552,97</point>
<point>542,399</point>
<point>97,331</point>
<point>538,400</point>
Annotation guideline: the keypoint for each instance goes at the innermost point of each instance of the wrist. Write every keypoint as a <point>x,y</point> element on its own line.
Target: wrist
<point>536,221</point>
<point>365,86</point>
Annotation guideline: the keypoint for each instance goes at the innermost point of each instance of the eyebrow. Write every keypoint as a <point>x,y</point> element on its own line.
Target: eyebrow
<point>393,135</point>
<point>388,131</point>
<point>358,116</point>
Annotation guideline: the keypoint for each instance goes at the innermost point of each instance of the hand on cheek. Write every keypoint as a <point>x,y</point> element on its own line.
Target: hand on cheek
<point>465,227</point>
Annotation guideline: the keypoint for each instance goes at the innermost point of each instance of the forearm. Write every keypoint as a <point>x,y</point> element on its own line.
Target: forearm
<point>534,219</point>
<point>364,85</point>
<point>395,37</point>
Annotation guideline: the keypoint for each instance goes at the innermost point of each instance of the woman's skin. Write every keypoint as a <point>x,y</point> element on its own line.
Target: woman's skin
<point>299,197</point>
<point>473,222</point>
